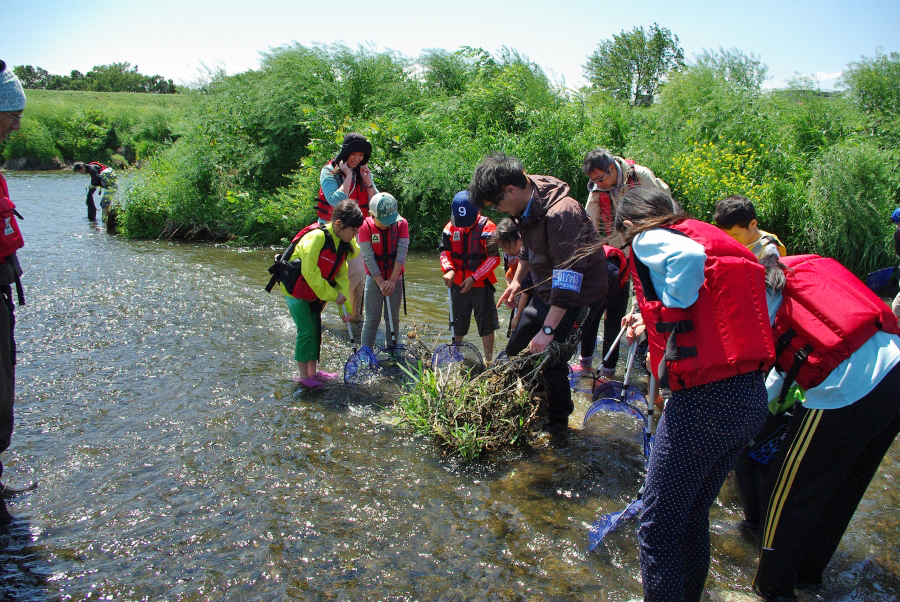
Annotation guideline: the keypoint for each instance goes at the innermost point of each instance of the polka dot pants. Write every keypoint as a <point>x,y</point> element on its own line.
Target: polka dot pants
<point>699,436</point>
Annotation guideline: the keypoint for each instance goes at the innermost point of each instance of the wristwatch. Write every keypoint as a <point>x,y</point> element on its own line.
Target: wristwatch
<point>548,330</point>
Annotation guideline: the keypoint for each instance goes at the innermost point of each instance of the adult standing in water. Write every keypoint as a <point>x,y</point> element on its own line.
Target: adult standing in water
<point>555,230</point>
<point>702,296</point>
<point>347,176</point>
<point>12,105</point>
<point>97,171</point>
<point>609,178</point>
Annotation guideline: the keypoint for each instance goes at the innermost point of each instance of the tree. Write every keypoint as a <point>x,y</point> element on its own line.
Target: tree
<point>631,65</point>
<point>446,72</point>
<point>32,77</point>
<point>874,83</point>
<point>746,72</point>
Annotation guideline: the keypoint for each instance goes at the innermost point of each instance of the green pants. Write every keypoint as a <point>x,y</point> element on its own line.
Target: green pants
<point>309,329</point>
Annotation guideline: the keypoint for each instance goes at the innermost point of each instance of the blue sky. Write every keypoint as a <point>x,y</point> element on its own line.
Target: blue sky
<point>175,38</point>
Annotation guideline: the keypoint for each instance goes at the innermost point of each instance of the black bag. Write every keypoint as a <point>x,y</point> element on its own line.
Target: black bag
<point>285,272</point>
<point>288,272</point>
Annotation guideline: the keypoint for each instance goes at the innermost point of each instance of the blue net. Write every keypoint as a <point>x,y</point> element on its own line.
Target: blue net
<point>612,389</point>
<point>764,451</point>
<point>397,362</point>
<point>610,522</point>
<point>360,367</point>
<point>608,398</point>
<point>463,353</point>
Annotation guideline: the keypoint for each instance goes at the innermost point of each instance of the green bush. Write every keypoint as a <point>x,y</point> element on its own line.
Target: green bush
<point>93,126</point>
<point>852,191</point>
<point>34,140</point>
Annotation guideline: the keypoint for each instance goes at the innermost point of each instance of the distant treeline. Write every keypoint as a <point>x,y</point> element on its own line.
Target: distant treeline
<point>116,77</point>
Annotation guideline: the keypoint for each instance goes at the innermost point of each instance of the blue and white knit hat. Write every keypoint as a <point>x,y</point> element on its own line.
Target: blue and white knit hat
<point>12,96</point>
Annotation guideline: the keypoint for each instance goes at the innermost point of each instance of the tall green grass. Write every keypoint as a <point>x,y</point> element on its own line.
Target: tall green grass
<point>89,126</point>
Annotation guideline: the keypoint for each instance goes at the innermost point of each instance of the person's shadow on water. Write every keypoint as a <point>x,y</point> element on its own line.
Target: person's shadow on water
<point>23,570</point>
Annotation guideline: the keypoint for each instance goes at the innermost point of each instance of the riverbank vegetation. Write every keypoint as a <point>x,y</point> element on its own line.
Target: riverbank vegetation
<point>822,167</point>
<point>117,128</point>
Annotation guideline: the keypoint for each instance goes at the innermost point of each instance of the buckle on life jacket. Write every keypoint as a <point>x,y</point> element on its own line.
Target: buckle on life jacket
<point>783,341</point>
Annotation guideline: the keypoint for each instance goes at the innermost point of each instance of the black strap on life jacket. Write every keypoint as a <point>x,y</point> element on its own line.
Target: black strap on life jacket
<point>674,351</point>
<point>465,255</point>
<point>799,358</point>
<point>386,258</point>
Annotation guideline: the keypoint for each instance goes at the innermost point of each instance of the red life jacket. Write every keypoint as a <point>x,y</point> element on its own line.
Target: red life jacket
<point>358,193</point>
<point>467,251</point>
<point>605,201</point>
<point>98,164</point>
<point>330,260</point>
<point>616,256</point>
<point>725,332</point>
<point>826,314</point>
<point>10,236</point>
<point>385,248</point>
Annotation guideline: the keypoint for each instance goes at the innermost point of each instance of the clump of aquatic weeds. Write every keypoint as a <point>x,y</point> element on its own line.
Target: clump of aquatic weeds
<point>472,413</point>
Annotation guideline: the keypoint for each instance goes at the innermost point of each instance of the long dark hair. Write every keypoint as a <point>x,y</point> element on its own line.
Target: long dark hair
<point>647,208</point>
<point>353,143</point>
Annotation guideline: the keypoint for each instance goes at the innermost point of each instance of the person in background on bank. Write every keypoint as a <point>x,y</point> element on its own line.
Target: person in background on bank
<point>324,251</point>
<point>99,179</point>
<point>895,217</point>
<point>468,263</point>
<point>347,176</point>
<point>558,235</point>
<point>509,241</point>
<point>736,216</point>
<point>12,105</point>
<point>384,242</point>
<point>696,287</point>
<point>839,342</point>
<point>609,178</point>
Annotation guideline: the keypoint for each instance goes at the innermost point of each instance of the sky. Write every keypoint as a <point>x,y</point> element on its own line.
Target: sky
<point>180,39</point>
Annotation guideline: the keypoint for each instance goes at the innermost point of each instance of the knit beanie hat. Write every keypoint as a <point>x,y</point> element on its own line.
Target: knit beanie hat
<point>12,96</point>
<point>354,143</point>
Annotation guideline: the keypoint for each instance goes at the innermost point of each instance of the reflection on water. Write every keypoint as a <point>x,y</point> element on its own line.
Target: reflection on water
<point>177,459</point>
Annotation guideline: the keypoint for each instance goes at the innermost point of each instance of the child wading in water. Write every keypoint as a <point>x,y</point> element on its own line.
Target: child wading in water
<point>468,263</point>
<point>384,242</point>
<point>323,251</point>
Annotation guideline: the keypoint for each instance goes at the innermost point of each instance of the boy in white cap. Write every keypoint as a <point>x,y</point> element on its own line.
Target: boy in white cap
<point>384,242</point>
<point>12,105</point>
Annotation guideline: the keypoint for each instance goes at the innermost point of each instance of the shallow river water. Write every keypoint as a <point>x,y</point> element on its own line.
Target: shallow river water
<point>176,459</point>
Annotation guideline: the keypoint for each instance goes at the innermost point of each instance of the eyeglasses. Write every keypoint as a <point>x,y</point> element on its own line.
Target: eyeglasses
<point>599,180</point>
<point>14,116</point>
<point>495,203</point>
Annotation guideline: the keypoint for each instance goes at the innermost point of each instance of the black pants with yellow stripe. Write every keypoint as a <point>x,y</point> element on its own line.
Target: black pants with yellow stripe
<point>816,482</point>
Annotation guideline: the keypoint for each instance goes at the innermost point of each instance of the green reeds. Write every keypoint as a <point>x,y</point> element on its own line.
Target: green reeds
<point>473,414</point>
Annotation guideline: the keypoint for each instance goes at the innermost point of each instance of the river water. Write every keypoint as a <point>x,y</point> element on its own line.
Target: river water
<point>176,459</point>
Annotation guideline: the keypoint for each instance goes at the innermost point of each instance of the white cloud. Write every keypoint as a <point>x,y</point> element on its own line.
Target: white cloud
<point>822,76</point>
